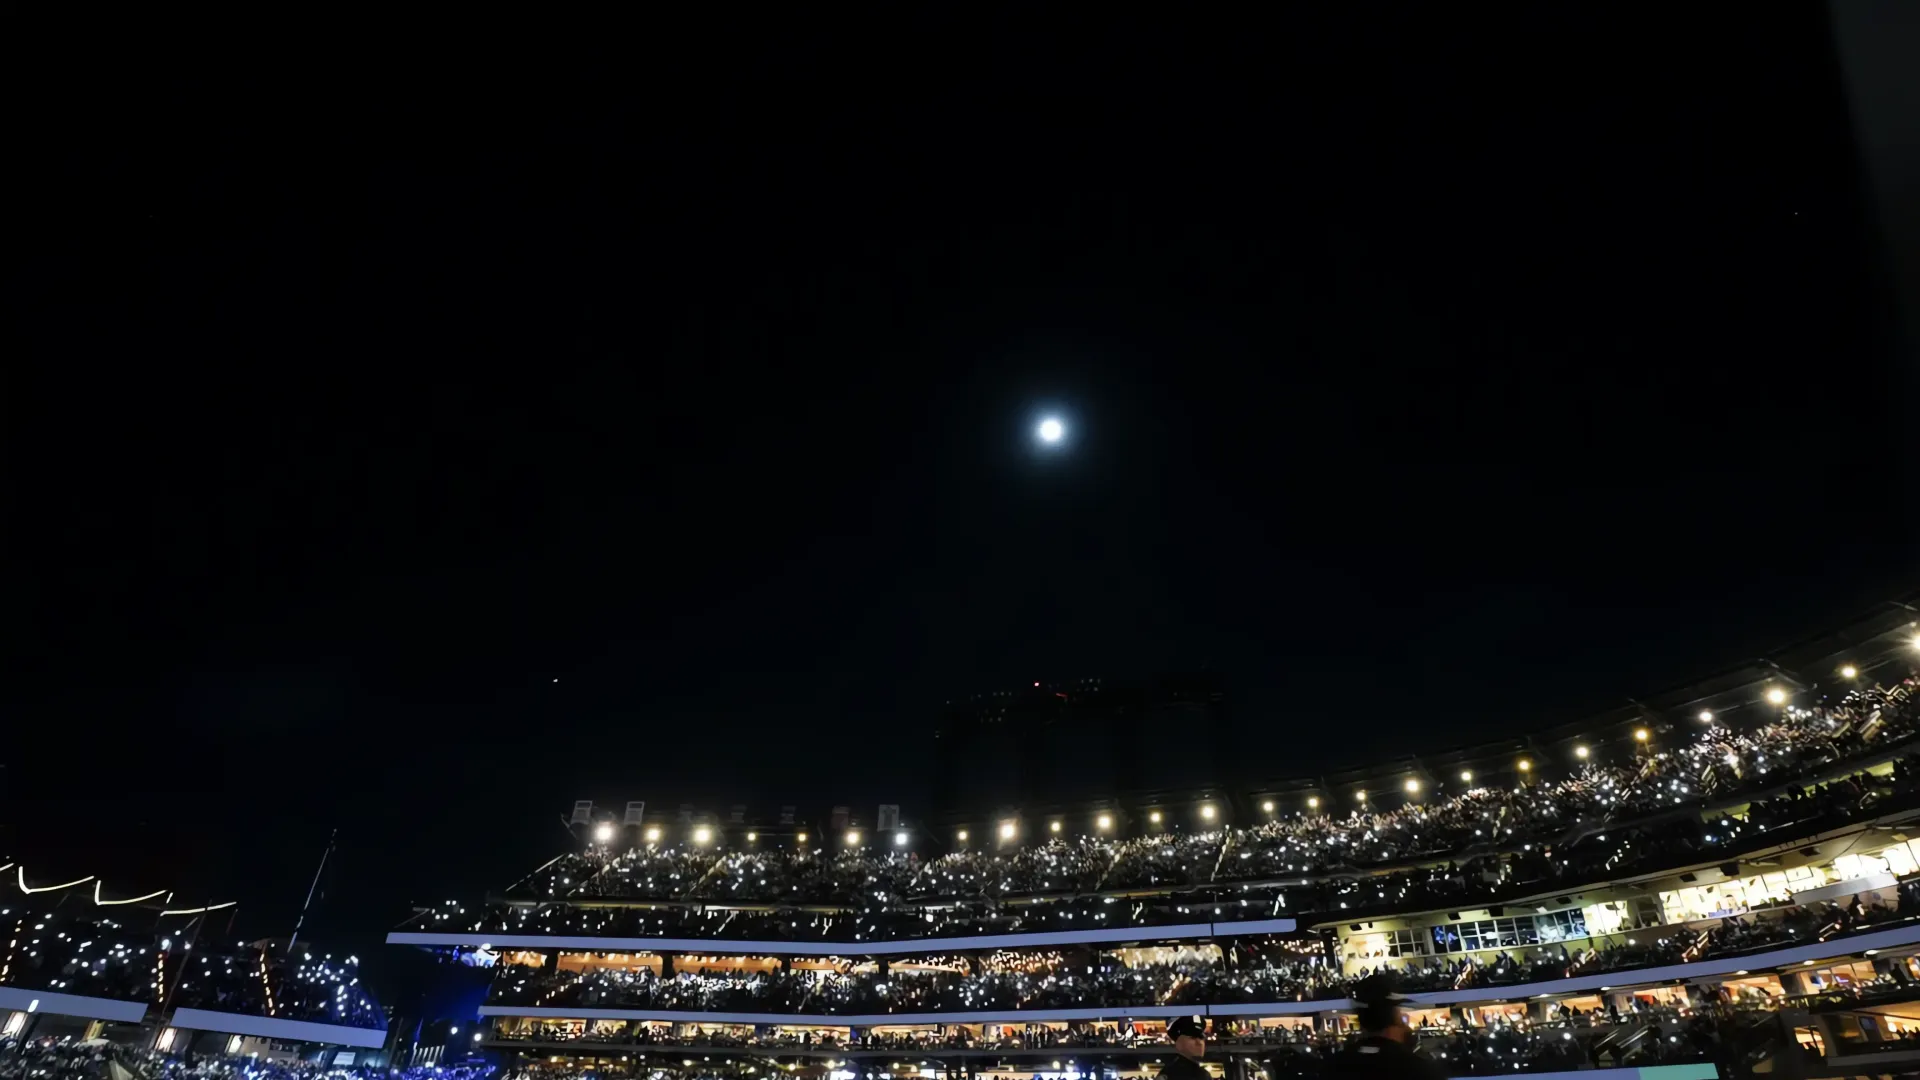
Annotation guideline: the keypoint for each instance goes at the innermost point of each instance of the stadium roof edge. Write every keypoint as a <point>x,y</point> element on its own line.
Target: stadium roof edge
<point>896,947</point>
<point>270,1027</point>
<point>28,1000</point>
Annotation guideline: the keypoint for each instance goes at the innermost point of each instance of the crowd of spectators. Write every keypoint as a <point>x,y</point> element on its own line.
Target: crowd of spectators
<point>872,921</point>
<point>1615,813</point>
<point>263,980</point>
<point>71,948</point>
<point>1280,970</point>
<point>94,1059</point>
<point>1661,1036</point>
<point>78,952</point>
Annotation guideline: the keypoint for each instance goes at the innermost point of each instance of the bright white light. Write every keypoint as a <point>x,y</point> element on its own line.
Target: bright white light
<point>1052,430</point>
<point>1706,716</point>
<point>604,833</point>
<point>1313,802</point>
<point>702,834</point>
<point>801,837</point>
<point>1267,806</point>
<point>1640,734</point>
<point>1053,826</point>
<point>752,836</point>
<point>1466,776</point>
<point>1359,796</point>
<point>1580,752</point>
<point>1413,786</point>
<point>1154,817</point>
<point>1776,696</point>
<point>961,836</point>
<point>1006,831</point>
<point>653,834</point>
<point>900,839</point>
<point>1104,821</point>
<point>1207,811</point>
<point>853,838</point>
<point>1849,672</point>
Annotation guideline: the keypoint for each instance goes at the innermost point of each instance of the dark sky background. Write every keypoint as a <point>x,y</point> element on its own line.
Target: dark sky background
<point>1432,379</point>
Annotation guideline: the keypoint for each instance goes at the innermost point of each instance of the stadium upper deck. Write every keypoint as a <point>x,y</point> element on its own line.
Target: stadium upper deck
<point>1749,760</point>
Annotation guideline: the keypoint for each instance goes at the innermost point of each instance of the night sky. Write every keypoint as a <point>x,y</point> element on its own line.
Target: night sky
<point>1430,380</point>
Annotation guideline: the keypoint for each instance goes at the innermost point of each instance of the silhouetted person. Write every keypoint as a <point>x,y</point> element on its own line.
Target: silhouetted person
<point>1385,1051</point>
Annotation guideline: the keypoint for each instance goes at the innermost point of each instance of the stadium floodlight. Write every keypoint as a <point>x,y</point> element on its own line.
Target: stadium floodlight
<point>752,836</point>
<point>702,834</point>
<point>1267,807</point>
<point>1776,696</point>
<point>800,838</point>
<point>1580,752</point>
<point>1360,796</point>
<point>653,834</point>
<point>961,836</point>
<point>1413,786</point>
<point>1706,716</point>
<point>1524,765</point>
<point>1849,672</point>
<point>1206,811</point>
<point>1103,822</point>
<point>1007,829</point>
<point>604,832</point>
<point>1639,734</point>
<point>900,839</point>
<point>1313,802</point>
<point>1053,826</point>
<point>1154,817</point>
<point>853,837</point>
<point>1466,776</point>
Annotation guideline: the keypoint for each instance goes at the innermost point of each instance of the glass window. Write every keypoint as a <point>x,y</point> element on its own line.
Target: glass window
<point>1851,867</point>
<point>1606,917</point>
<point>1900,860</point>
<point>1561,925</point>
<point>1406,943</point>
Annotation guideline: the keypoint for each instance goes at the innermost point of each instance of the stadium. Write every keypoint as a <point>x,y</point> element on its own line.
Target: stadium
<point>1723,880</point>
<point>91,974</point>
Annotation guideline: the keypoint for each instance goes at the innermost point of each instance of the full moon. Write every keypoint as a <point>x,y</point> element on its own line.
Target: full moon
<point>1051,430</point>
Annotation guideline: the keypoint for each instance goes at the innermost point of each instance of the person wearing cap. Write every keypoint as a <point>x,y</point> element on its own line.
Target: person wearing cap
<point>1189,1035</point>
<point>1385,1049</point>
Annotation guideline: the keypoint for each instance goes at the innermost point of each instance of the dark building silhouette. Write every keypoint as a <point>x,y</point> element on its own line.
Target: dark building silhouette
<point>1050,743</point>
